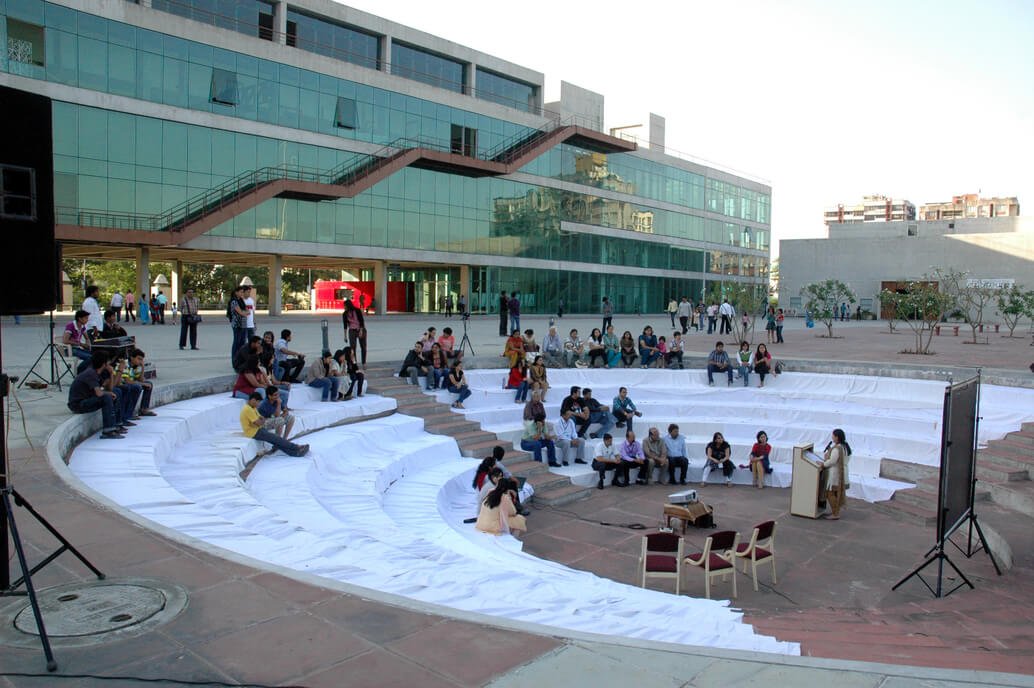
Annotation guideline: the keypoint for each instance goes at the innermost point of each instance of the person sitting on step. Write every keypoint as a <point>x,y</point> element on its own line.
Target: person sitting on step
<point>252,425</point>
<point>608,458</point>
<point>632,455</point>
<point>537,437</point>
<point>567,440</point>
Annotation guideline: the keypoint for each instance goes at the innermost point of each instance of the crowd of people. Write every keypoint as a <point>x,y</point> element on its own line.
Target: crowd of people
<point>438,360</point>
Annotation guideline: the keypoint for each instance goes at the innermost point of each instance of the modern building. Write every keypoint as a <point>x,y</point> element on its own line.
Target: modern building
<point>870,257</point>
<point>308,134</point>
<point>871,209</point>
<point>970,205</point>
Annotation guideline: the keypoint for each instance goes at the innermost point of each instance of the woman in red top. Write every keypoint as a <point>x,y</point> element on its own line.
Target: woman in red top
<point>761,362</point>
<point>518,379</point>
<point>249,380</point>
<point>759,463</point>
<point>514,349</point>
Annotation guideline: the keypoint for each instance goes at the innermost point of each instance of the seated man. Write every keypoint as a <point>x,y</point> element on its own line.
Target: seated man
<point>534,406</point>
<point>675,351</point>
<point>289,363</point>
<point>111,327</point>
<point>278,419</point>
<point>553,348</point>
<point>718,362</point>
<point>252,347</point>
<point>575,351</point>
<point>632,455</point>
<point>608,459</point>
<point>624,409</point>
<point>415,364</point>
<point>75,336</point>
<point>252,426</point>
<point>567,440</point>
<point>536,437</point>
<point>88,393</point>
<point>448,344</point>
<point>598,413</point>
<point>580,412</point>
<point>675,444</point>
<point>126,396</point>
<point>133,375</point>
<point>656,452</point>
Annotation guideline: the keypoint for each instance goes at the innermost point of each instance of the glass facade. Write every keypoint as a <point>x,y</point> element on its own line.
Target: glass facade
<point>333,40</point>
<point>135,166</point>
<point>503,90</point>
<point>429,68</point>
<point>250,17</point>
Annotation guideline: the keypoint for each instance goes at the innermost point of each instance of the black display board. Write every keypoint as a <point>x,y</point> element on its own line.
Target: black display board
<point>958,455</point>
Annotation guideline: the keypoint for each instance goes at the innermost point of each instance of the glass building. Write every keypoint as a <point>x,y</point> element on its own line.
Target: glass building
<point>310,132</point>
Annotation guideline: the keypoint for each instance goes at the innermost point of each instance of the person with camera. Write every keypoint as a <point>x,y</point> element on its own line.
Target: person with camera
<point>190,310</point>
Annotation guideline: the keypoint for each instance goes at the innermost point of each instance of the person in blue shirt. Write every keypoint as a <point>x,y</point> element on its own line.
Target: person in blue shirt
<point>718,362</point>
<point>624,410</point>
<point>676,445</point>
<point>648,351</point>
<point>278,420</point>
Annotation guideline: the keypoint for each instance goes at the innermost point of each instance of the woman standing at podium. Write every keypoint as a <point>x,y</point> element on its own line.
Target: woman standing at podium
<point>835,461</point>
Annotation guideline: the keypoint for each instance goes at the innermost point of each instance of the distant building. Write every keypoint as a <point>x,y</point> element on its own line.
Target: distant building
<point>871,257</point>
<point>971,205</point>
<point>871,209</point>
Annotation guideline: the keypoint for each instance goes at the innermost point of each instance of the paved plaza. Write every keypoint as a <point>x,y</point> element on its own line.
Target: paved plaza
<point>246,623</point>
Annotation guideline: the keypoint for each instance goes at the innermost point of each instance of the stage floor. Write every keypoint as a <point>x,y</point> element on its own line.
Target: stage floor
<point>834,592</point>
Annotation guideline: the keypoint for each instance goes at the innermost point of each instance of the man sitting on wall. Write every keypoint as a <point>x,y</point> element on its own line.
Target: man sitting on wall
<point>88,393</point>
<point>252,424</point>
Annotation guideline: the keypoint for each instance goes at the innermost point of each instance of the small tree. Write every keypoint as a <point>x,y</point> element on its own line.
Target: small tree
<point>821,300</point>
<point>1015,303</point>
<point>921,306</point>
<point>969,296</point>
<point>750,299</point>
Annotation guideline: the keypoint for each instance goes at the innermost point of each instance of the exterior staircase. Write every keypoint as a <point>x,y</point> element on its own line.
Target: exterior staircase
<point>550,489</point>
<point>1004,470</point>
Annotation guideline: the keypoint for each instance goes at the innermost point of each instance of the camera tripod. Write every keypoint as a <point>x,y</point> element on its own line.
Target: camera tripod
<point>465,342</point>
<point>50,350</point>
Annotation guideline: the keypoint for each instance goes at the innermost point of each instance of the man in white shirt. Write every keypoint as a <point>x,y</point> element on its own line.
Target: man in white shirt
<point>553,348</point>
<point>93,307</point>
<point>685,313</point>
<point>249,302</point>
<point>574,351</point>
<point>607,459</point>
<point>712,318</point>
<point>728,313</point>
<point>116,305</point>
<point>567,441</point>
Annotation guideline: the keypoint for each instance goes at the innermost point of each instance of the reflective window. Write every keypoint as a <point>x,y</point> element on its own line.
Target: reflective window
<point>346,116</point>
<point>223,87</point>
<point>426,67</point>
<point>505,91</point>
<point>250,17</point>
<point>333,40</point>
<point>25,43</point>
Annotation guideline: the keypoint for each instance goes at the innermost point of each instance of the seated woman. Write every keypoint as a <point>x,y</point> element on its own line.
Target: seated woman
<point>759,463</point>
<point>530,345</point>
<point>628,350</point>
<point>612,347</point>
<point>648,352</point>
<point>248,380</point>
<point>519,380</point>
<point>356,377</point>
<point>458,385</point>
<point>719,456</point>
<point>538,378</point>
<point>761,362</point>
<point>438,366</point>
<point>743,361</point>
<point>514,348</point>
<point>498,513</point>
<point>597,349</point>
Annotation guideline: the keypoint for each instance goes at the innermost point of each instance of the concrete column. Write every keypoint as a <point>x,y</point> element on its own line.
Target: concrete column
<point>174,283</point>
<point>143,273</point>
<point>276,285</point>
<point>384,64</point>
<point>280,22</point>
<point>470,74</point>
<point>465,283</point>
<point>380,286</point>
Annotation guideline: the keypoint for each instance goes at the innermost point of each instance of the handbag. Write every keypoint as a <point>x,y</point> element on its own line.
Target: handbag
<point>193,319</point>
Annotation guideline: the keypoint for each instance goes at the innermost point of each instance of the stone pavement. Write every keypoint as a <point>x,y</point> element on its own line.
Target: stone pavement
<point>245,623</point>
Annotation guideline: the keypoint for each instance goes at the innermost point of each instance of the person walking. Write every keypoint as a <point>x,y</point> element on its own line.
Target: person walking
<point>162,303</point>
<point>189,309</point>
<point>448,305</point>
<point>130,303</point>
<point>461,305</point>
<point>780,317</point>
<point>116,305</point>
<point>673,308</point>
<point>728,313</point>
<point>355,329</point>
<point>504,312</point>
<point>685,311</point>
<point>608,313</point>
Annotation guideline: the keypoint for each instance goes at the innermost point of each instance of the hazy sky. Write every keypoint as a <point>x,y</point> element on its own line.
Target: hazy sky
<point>825,100</point>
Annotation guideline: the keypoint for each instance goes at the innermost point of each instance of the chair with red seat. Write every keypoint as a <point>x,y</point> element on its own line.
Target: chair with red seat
<point>759,550</point>
<point>661,557</point>
<point>716,558</point>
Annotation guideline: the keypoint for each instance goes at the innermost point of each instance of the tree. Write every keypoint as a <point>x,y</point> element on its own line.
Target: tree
<point>921,306</point>
<point>751,299</point>
<point>821,300</point>
<point>1015,303</point>
<point>969,296</point>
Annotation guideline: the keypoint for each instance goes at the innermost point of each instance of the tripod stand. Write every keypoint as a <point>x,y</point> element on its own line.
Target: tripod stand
<point>465,342</point>
<point>11,498</point>
<point>50,350</point>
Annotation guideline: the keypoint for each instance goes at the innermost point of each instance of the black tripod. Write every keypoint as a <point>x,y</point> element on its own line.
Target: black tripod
<point>10,498</point>
<point>465,342</point>
<point>50,350</point>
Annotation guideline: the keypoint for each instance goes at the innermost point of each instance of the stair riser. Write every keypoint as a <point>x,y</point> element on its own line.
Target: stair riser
<point>1012,498</point>
<point>923,500</point>
<point>1017,438</point>
<point>1024,458</point>
<point>543,500</point>
<point>888,508</point>
<point>1010,462</point>
<point>906,472</point>
<point>543,482</point>
<point>998,475</point>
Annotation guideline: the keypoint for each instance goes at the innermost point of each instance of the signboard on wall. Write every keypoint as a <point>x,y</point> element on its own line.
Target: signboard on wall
<point>990,283</point>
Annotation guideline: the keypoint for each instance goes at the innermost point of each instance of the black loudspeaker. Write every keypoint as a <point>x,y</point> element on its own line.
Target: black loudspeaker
<point>29,276</point>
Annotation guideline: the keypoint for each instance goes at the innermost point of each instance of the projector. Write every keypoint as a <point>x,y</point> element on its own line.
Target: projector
<point>684,497</point>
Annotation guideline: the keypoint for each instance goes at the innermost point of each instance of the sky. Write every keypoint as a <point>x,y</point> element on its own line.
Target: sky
<point>826,101</point>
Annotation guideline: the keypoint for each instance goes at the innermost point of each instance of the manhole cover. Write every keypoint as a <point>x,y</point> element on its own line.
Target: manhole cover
<point>91,612</point>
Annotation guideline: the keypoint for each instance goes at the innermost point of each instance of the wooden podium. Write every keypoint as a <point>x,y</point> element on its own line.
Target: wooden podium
<point>806,487</point>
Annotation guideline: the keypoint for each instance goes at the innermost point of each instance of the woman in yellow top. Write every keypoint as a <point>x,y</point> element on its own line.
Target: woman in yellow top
<point>835,460</point>
<point>498,514</point>
<point>538,376</point>
<point>514,349</point>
